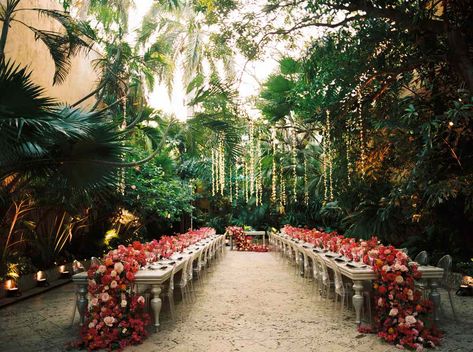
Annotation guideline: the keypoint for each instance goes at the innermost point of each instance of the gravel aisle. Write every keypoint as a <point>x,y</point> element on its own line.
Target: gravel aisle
<point>249,302</point>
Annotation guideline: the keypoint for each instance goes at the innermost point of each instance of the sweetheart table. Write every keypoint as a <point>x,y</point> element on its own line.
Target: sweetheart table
<point>251,234</point>
<point>148,277</point>
<point>358,273</point>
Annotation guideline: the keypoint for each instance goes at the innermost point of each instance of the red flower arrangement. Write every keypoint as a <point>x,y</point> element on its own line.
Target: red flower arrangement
<point>116,316</point>
<point>244,242</point>
<point>400,309</point>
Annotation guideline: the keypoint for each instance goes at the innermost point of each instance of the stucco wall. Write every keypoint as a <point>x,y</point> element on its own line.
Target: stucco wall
<point>25,50</point>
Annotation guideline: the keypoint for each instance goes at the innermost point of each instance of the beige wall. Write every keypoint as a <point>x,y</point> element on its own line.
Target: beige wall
<point>25,50</point>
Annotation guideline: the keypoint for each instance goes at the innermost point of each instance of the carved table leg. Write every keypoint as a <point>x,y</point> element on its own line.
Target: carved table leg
<point>358,299</point>
<point>434,296</point>
<point>156,304</point>
<point>82,302</point>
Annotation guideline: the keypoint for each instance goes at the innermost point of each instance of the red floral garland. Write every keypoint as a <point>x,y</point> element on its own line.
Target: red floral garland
<point>244,242</point>
<point>116,316</point>
<point>400,309</point>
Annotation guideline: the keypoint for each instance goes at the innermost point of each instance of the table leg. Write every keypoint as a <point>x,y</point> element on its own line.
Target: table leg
<point>358,299</point>
<point>231,243</point>
<point>434,296</point>
<point>156,304</point>
<point>82,302</point>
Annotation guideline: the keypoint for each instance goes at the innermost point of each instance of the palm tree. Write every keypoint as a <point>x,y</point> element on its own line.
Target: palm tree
<point>62,45</point>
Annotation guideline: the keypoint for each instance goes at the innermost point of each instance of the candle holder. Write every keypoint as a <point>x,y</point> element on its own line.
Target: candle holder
<point>41,279</point>
<point>64,274</point>
<point>12,289</point>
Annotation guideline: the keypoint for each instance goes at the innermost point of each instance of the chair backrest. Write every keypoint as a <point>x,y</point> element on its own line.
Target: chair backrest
<point>190,264</point>
<point>446,264</point>
<point>184,274</point>
<point>171,280</point>
<point>95,261</point>
<point>315,265</point>
<point>422,258</point>
<point>77,267</point>
<point>324,273</point>
<point>199,260</point>
<point>337,276</point>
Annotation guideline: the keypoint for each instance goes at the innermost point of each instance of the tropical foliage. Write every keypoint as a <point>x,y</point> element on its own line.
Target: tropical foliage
<point>365,127</point>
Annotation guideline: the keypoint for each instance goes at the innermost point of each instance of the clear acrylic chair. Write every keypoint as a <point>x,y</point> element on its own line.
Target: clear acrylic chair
<point>447,283</point>
<point>422,258</point>
<point>184,280</point>
<point>342,289</point>
<point>168,293</point>
<point>316,273</point>
<point>77,267</point>
<point>327,283</point>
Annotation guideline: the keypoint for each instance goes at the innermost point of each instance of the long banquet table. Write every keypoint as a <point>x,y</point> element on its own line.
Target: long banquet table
<point>358,273</point>
<point>147,278</point>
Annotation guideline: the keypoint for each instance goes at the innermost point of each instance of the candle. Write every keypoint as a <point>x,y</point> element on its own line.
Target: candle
<point>12,290</point>
<point>64,273</point>
<point>41,279</point>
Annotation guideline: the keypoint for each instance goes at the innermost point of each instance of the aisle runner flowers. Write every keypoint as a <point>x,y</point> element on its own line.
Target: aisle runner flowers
<point>242,241</point>
<point>400,309</point>
<point>116,316</point>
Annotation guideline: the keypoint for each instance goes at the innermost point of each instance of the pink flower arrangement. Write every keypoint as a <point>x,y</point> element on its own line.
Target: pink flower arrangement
<point>116,316</point>
<point>400,309</point>
<point>242,241</point>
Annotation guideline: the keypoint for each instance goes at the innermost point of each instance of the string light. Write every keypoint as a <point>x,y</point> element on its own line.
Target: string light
<point>222,165</point>
<point>327,161</point>
<point>294,164</point>
<point>213,172</point>
<point>361,133</point>
<point>306,186</point>
<point>347,150</point>
<point>252,159</point>
<point>237,181</point>
<point>274,177</point>
<point>324,164</point>
<point>282,191</point>
<point>231,183</point>
<point>259,176</point>
<point>329,156</point>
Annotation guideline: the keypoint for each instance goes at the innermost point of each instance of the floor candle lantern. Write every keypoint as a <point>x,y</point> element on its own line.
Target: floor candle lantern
<point>63,272</point>
<point>41,279</point>
<point>11,288</point>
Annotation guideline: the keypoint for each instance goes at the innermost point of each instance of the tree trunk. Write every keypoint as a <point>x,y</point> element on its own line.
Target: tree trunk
<point>459,56</point>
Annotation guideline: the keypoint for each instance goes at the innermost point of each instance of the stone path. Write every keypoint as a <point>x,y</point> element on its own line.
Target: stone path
<point>248,302</point>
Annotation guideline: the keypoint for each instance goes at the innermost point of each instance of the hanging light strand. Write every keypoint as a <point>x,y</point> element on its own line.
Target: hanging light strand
<point>230,181</point>
<point>324,163</point>
<point>360,127</point>
<point>329,157</point>
<point>274,176</point>
<point>306,186</point>
<point>252,159</point>
<point>237,181</point>
<point>222,165</point>
<point>294,164</point>
<point>213,172</point>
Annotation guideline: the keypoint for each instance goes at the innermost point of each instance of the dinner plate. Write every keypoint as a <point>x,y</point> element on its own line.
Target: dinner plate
<point>357,266</point>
